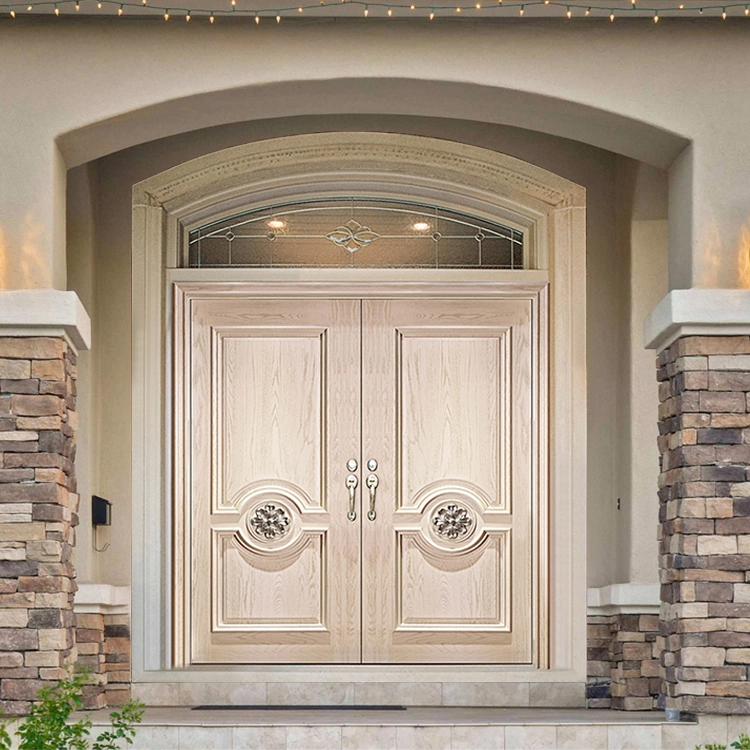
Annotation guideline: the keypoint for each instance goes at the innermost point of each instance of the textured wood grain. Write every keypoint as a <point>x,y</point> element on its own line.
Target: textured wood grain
<point>447,411</point>
<point>273,418</point>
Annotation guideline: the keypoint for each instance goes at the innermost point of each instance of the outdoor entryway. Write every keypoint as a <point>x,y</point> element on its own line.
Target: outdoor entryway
<point>361,474</point>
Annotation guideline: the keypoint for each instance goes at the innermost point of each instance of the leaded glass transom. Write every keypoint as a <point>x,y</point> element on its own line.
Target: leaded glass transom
<point>355,232</point>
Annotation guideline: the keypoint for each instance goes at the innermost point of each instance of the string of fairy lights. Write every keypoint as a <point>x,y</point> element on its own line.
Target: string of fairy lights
<point>371,9</point>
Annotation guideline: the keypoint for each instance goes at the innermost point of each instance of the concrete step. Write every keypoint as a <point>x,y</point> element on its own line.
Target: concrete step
<point>434,728</point>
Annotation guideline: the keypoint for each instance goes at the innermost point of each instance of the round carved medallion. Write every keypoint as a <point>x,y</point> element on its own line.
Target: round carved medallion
<point>269,521</point>
<point>452,521</point>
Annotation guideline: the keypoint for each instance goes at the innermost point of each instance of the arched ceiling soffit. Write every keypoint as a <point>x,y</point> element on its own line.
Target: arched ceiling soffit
<point>462,101</point>
<point>235,170</point>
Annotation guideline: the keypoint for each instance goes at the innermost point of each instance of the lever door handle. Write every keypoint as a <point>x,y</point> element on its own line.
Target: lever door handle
<point>351,485</point>
<point>372,484</point>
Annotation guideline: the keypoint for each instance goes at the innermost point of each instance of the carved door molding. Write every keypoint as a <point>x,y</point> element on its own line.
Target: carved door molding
<point>451,565</point>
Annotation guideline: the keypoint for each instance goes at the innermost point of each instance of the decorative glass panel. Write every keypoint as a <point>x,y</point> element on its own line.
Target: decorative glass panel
<point>355,232</point>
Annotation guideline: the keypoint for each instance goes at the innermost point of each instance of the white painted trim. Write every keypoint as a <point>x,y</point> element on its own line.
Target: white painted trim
<point>697,312</point>
<point>102,598</point>
<point>462,177</point>
<point>45,312</point>
<point>624,599</point>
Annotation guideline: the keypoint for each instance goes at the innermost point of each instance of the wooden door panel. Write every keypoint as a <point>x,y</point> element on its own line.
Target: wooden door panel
<point>447,412</point>
<point>274,416</point>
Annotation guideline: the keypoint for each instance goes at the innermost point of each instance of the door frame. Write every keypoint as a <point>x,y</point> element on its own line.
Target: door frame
<point>167,206</point>
<point>360,286</point>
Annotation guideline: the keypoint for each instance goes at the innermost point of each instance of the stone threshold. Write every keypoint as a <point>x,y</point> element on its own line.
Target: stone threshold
<point>412,715</point>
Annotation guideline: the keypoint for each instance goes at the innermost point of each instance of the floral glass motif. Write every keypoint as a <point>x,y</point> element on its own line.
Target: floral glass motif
<point>352,236</point>
<point>452,521</point>
<point>355,233</point>
<point>270,521</point>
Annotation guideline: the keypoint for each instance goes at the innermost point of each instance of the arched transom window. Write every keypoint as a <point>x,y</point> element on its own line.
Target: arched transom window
<point>355,232</point>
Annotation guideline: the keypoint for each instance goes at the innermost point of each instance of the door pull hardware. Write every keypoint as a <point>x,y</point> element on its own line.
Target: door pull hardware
<point>372,464</point>
<point>352,464</point>
<point>351,485</point>
<point>372,484</point>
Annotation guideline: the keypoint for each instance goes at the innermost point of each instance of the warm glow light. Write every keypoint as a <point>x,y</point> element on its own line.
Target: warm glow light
<point>276,224</point>
<point>420,226</point>
<point>188,16</point>
<point>278,19</point>
<point>390,12</point>
<point>78,6</point>
<point>57,11</point>
<point>367,11</point>
<point>301,10</point>
<point>724,13</point>
<point>588,12</point>
<point>166,14</point>
<point>479,6</point>
<point>522,11</point>
<point>569,12</point>
<point>656,17</point>
<point>12,13</point>
<point>211,18</point>
<point>412,7</point>
<point>611,15</point>
<point>257,19</point>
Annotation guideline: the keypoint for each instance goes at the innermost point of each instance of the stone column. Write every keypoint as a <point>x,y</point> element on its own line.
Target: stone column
<point>38,514</point>
<point>704,518</point>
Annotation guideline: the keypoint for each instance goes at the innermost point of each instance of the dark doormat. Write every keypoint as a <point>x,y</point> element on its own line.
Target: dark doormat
<point>299,708</point>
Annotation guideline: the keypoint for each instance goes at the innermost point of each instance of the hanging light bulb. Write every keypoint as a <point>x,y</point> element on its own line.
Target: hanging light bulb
<point>166,14</point>
<point>211,18</point>
<point>12,13</point>
<point>300,9</point>
<point>367,11</point>
<point>120,10</point>
<point>521,11</point>
<point>611,16</point>
<point>588,12</point>
<point>278,18</point>
<point>747,11</point>
<point>724,14</point>
<point>188,16</point>
<point>257,19</point>
<point>458,9</point>
<point>569,12</point>
<point>478,6</point>
<point>432,15</point>
<point>390,12</point>
<point>656,16</point>
<point>412,7</point>
<point>57,10</point>
<point>78,5</point>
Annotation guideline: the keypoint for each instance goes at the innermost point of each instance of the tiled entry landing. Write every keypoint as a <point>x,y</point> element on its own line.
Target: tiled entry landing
<point>433,728</point>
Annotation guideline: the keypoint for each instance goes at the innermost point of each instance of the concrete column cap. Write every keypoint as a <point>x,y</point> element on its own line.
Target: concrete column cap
<point>45,312</point>
<point>697,312</point>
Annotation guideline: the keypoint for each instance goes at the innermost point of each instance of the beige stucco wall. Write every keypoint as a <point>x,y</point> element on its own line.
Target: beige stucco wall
<point>629,87</point>
<point>610,350</point>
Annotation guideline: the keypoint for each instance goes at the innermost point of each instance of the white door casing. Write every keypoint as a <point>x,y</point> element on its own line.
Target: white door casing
<point>475,180</point>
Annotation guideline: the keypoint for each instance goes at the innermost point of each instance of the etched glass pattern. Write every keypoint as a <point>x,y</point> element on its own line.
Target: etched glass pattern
<point>355,232</point>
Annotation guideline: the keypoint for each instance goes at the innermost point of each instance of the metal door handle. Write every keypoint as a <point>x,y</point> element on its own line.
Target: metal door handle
<point>351,485</point>
<point>372,484</point>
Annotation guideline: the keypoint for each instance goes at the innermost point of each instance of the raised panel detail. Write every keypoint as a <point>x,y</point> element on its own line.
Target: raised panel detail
<point>269,409</point>
<point>453,386</point>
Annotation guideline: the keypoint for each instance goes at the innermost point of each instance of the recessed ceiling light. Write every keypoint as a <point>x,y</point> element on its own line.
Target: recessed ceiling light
<point>420,226</point>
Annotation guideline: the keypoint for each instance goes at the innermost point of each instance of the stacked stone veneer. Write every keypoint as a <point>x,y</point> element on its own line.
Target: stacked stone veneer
<point>623,662</point>
<point>704,440</point>
<point>38,505</point>
<point>103,643</point>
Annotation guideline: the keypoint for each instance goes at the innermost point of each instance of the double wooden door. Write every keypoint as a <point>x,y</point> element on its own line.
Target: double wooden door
<point>359,480</point>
